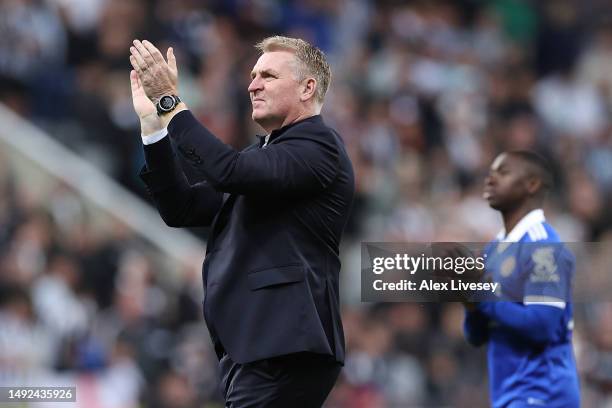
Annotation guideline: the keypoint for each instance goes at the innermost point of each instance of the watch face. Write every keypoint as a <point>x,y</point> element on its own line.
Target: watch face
<point>166,102</point>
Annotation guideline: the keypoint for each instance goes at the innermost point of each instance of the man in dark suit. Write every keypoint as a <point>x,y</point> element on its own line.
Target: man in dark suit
<point>277,210</point>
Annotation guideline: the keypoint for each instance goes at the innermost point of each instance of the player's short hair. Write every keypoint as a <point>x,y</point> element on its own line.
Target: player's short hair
<point>311,60</point>
<point>537,166</point>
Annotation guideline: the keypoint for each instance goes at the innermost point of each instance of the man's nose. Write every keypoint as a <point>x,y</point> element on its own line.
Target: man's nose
<point>255,85</point>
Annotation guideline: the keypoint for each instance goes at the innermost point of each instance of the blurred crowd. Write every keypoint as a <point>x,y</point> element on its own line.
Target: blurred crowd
<point>425,93</point>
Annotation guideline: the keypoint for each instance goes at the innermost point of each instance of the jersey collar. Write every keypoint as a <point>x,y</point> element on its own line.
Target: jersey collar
<point>534,217</point>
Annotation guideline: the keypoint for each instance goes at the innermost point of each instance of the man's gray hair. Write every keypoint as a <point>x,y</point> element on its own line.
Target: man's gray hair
<point>311,60</point>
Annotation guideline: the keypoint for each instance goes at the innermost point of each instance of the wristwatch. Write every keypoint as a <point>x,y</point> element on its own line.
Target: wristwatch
<point>166,104</point>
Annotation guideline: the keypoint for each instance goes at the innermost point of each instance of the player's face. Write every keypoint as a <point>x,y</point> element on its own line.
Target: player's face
<point>274,90</point>
<point>506,184</point>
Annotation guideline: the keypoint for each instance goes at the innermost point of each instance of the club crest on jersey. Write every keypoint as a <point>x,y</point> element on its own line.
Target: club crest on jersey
<point>544,265</point>
<point>507,266</point>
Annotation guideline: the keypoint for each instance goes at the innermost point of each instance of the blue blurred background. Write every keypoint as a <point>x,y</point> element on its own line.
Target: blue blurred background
<point>95,292</point>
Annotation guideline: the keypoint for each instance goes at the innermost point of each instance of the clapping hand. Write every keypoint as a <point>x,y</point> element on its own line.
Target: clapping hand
<point>157,77</point>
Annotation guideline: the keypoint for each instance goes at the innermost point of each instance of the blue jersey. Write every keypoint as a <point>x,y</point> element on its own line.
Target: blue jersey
<point>529,327</point>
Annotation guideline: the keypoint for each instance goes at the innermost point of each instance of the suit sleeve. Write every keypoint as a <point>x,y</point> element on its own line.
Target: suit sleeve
<point>179,203</point>
<point>304,163</point>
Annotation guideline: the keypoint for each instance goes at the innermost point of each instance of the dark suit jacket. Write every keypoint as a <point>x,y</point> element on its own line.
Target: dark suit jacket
<point>271,268</point>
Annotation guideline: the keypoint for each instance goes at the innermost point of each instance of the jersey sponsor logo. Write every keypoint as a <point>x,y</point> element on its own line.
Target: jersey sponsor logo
<point>535,401</point>
<point>545,267</point>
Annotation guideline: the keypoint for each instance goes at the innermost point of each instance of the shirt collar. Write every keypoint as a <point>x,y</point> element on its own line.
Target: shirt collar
<point>534,217</point>
<point>263,140</point>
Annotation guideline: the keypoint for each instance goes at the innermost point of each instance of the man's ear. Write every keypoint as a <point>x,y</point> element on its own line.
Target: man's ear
<point>534,185</point>
<point>308,89</point>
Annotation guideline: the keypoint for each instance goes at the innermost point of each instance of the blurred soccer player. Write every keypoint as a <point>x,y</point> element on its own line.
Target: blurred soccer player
<point>529,328</point>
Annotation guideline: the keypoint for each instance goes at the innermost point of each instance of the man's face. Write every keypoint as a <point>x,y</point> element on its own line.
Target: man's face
<point>506,184</point>
<point>274,90</point>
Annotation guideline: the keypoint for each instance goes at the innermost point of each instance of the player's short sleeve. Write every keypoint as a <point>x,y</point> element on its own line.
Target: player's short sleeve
<point>548,269</point>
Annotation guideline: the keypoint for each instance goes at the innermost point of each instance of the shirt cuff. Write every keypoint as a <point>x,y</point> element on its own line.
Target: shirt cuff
<point>154,137</point>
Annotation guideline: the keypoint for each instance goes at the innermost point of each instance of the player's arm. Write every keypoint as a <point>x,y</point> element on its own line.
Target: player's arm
<point>179,203</point>
<point>535,322</point>
<point>539,318</point>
